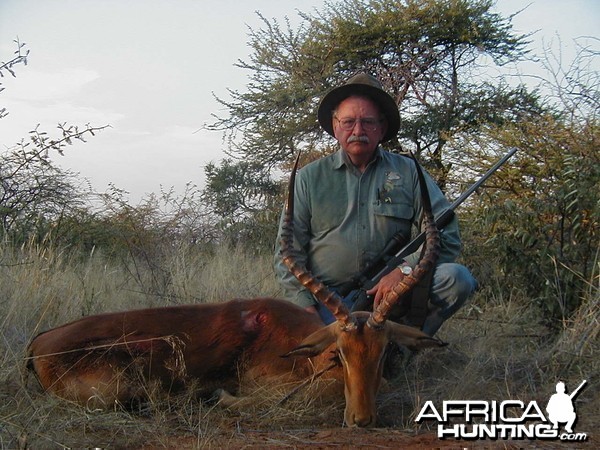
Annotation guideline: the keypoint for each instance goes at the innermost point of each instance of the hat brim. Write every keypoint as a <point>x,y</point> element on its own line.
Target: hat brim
<point>386,103</point>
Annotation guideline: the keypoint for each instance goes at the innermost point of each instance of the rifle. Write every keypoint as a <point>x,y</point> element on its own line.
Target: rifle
<point>384,263</point>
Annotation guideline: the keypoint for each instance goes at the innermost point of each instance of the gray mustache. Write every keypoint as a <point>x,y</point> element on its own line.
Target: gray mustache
<point>364,139</point>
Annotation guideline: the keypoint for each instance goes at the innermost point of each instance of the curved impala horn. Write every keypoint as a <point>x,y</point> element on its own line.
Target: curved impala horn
<point>426,263</point>
<point>330,299</point>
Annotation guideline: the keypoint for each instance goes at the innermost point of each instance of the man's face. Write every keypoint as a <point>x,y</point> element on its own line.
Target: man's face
<point>359,126</point>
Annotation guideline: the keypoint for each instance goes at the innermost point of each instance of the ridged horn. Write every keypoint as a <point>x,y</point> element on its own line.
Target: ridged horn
<point>426,263</point>
<point>330,299</point>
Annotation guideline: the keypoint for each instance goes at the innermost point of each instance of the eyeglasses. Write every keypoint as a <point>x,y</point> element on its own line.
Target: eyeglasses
<point>368,124</point>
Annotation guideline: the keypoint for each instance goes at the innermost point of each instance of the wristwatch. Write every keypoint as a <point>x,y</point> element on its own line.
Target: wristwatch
<point>406,269</point>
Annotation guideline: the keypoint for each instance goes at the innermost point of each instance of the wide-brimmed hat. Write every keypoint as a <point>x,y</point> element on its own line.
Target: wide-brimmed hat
<point>361,84</point>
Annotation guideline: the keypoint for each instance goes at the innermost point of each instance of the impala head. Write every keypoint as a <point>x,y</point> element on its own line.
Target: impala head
<point>360,337</point>
<point>361,353</point>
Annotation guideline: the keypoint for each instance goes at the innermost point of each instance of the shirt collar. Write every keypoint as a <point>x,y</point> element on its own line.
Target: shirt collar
<point>340,159</point>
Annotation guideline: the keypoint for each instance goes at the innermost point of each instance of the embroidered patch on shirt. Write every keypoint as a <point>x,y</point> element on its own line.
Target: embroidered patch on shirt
<point>391,182</point>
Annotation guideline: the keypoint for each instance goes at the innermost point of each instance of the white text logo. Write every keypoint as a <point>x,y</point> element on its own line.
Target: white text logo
<point>509,419</point>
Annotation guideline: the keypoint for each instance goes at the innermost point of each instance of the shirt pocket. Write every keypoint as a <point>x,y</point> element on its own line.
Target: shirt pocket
<point>399,211</point>
<point>392,218</point>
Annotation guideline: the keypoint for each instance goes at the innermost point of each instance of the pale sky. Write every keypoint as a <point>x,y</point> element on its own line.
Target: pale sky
<point>149,69</point>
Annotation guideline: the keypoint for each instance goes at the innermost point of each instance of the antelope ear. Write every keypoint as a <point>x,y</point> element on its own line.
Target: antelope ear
<point>314,344</point>
<point>411,336</point>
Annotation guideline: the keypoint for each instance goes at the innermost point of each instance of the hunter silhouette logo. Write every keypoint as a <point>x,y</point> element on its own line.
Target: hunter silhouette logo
<point>560,407</point>
<point>508,419</point>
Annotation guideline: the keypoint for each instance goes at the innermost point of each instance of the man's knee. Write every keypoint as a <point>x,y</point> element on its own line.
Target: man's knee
<point>453,282</point>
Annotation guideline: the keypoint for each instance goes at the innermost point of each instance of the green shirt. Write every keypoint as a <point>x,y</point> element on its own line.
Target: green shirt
<point>344,218</point>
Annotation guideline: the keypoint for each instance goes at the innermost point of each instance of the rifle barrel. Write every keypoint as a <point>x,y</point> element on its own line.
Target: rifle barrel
<point>482,180</point>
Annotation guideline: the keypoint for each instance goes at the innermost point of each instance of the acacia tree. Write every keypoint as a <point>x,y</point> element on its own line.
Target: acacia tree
<point>426,52</point>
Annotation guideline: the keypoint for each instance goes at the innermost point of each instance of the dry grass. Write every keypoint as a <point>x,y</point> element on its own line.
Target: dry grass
<point>498,350</point>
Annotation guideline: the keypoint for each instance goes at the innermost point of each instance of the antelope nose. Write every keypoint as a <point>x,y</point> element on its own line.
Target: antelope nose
<point>362,421</point>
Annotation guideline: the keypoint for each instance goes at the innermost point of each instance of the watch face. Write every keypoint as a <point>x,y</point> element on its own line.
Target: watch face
<point>406,270</point>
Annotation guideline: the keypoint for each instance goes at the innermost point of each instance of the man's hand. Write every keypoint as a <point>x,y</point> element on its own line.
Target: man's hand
<point>385,285</point>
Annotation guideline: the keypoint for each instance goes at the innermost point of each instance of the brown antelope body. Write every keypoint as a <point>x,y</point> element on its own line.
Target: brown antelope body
<point>100,359</point>
<point>104,359</point>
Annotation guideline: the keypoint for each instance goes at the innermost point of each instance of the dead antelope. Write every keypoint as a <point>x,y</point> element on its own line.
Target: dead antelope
<point>106,359</point>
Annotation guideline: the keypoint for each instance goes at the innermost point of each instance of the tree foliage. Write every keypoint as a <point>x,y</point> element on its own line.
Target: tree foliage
<point>244,199</point>
<point>427,53</point>
<point>34,192</point>
<point>540,224</point>
<point>236,190</point>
